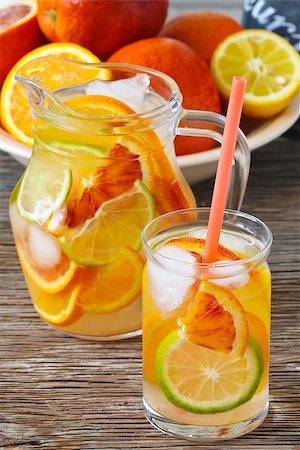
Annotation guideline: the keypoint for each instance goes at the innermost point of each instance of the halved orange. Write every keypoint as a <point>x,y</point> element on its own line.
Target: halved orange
<point>14,106</point>
<point>109,289</point>
<point>217,320</point>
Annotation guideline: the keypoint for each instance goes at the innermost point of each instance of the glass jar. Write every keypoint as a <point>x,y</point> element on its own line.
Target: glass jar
<point>103,166</point>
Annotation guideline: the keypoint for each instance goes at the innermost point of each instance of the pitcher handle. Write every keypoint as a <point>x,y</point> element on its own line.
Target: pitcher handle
<point>241,162</point>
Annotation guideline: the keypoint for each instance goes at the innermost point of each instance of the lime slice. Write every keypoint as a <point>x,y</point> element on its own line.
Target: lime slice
<point>76,148</point>
<point>205,381</point>
<point>43,190</point>
<point>15,192</point>
<point>118,222</point>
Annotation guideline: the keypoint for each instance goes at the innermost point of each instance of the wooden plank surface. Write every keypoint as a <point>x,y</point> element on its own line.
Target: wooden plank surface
<point>57,392</point>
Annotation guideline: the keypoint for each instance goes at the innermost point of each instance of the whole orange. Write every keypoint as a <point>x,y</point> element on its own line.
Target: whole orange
<point>102,26</point>
<point>19,33</point>
<point>190,72</point>
<point>201,30</point>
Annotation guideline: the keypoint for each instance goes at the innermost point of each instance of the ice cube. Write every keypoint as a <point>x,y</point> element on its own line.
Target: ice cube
<point>43,248</point>
<point>199,233</point>
<point>169,289</point>
<point>230,277</point>
<point>235,243</point>
<point>129,90</point>
<point>58,220</point>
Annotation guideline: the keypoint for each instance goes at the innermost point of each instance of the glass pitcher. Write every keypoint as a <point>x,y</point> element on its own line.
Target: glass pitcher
<point>103,166</point>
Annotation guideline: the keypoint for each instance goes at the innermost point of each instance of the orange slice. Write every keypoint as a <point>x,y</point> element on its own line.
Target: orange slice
<point>217,320</point>
<point>109,289</point>
<point>154,331</point>
<point>51,280</point>
<point>258,330</point>
<point>59,309</point>
<point>158,173</point>
<point>196,246</point>
<point>14,107</point>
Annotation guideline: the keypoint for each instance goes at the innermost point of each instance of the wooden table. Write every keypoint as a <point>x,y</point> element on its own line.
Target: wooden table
<point>57,392</point>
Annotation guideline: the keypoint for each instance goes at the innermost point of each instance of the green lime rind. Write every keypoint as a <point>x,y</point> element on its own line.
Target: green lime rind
<point>99,240</point>
<point>15,192</point>
<point>42,191</point>
<point>255,362</point>
<point>74,148</point>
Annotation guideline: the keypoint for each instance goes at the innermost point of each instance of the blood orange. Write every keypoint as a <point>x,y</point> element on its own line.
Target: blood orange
<point>19,33</point>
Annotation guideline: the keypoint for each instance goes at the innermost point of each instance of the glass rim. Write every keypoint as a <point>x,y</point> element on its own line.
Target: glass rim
<point>169,104</point>
<point>261,254</point>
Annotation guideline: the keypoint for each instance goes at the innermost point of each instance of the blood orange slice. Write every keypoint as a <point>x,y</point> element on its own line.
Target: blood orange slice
<point>217,320</point>
<point>196,246</point>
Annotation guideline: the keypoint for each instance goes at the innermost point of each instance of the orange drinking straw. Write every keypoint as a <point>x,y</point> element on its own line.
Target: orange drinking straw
<point>216,215</point>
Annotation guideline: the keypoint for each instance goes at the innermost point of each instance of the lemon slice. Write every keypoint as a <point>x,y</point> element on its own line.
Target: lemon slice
<point>205,381</point>
<point>269,63</point>
<point>43,190</point>
<point>118,222</point>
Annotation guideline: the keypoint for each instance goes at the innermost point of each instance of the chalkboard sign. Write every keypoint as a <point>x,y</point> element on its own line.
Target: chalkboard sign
<point>280,16</point>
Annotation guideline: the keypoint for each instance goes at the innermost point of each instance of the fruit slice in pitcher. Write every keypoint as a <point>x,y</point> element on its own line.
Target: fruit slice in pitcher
<point>113,287</point>
<point>156,170</point>
<point>43,260</point>
<point>117,223</point>
<point>60,309</point>
<point>114,177</point>
<point>216,320</point>
<point>205,381</point>
<point>44,188</point>
<point>196,246</point>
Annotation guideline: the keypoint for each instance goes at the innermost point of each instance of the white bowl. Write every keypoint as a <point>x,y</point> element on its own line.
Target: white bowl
<point>198,166</point>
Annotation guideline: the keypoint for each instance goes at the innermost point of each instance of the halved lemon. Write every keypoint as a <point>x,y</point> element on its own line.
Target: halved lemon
<point>216,320</point>
<point>205,381</point>
<point>117,223</point>
<point>109,289</point>
<point>14,106</point>
<point>270,64</point>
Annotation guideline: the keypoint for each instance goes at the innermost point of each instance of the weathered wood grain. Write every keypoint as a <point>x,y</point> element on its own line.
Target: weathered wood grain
<point>60,393</point>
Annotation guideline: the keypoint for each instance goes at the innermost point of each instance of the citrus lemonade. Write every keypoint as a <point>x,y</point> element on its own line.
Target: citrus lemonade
<point>97,176</point>
<point>206,326</point>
